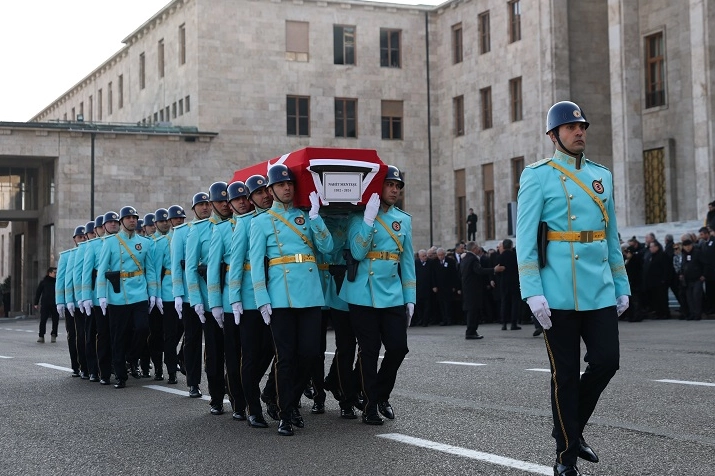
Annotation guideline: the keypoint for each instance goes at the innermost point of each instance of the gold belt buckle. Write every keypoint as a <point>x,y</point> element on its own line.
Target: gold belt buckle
<point>586,236</point>
<point>298,258</point>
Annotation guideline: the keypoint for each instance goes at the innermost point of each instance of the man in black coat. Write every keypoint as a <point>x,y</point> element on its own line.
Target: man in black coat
<point>473,289</point>
<point>423,276</point>
<point>445,283</point>
<point>46,293</point>
<point>509,286</point>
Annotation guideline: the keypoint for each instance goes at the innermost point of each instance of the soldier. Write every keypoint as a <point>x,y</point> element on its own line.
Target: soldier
<point>89,329</point>
<point>110,222</point>
<point>173,326</point>
<point>149,225</point>
<point>193,332</point>
<point>126,276</point>
<point>164,332</point>
<point>380,299</point>
<point>90,302</point>
<point>577,286</point>
<point>80,318</point>
<point>256,339</point>
<point>291,299</point>
<point>198,243</point>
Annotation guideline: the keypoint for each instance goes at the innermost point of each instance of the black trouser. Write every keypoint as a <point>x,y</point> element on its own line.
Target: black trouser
<point>129,327</point>
<point>90,344</point>
<point>193,338</point>
<point>444,302</point>
<point>45,313</point>
<point>104,343</point>
<point>214,359</point>
<point>296,338</point>
<point>472,320</point>
<point>510,308</point>
<point>422,309</point>
<point>574,397</point>
<point>173,329</point>
<point>232,350</point>
<point>256,355</point>
<point>155,340</point>
<point>345,344</point>
<point>694,298</point>
<point>374,327</point>
<point>471,234</point>
<point>79,319</point>
<point>72,340</point>
<point>317,373</point>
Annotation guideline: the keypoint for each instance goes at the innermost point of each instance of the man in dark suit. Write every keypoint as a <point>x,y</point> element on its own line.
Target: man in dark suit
<point>509,286</point>
<point>473,288</point>
<point>423,275</point>
<point>445,282</point>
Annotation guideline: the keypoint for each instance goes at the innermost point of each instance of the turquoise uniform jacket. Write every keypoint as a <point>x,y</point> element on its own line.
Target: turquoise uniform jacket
<point>92,252</point>
<point>162,264</point>
<point>77,269</point>
<point>117,257</point>
<point>240,284</point>
<point>578,276</point>
<point>60,277</point>
<point>378,283</point>
<point>178,259</point>
<point>198,242</point>
<point>69,277</point>
<point>220,253</point>
<point>338,227</point>
<point>295,285</point>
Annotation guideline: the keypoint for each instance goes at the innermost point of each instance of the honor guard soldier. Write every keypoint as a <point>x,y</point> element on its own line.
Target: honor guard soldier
<point>163,329</point>
<point>149,226</point>
<point>256,339</point>
<point>219,265</point>
<point>193,331</point>
<point>127,278</point>
<point>79,317</point>
<point>381,299</point>
<point>198,243</point>
<point>173,326</point>
<point>291,299</point>
<point>89,330</point>
<point>576,286</point>
<point>104,337</point>
<point>140,227</point>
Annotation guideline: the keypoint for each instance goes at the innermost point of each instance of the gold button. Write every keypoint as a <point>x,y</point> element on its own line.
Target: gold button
<point>605,259</point>
<point>573,217</point>
<point>575,257</point>
<point>393,275</point>
<point>374,245</point>
<point>310,269</point>
<point>278,231</point>
<point>570,196</point>
<point>395,263</point>
<point>563,178</point>
<point>371,273</point>
<point>304,228</point>
<point>287,271</point>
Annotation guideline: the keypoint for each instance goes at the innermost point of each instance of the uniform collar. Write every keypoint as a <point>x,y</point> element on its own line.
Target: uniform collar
<point>565,159</point>
<point>281,207</point>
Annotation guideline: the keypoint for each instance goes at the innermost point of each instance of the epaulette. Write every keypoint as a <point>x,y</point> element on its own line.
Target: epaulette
<point>196,222</point>
<point>400,210</point>
<point>250,214</point>
<point>110,236</point>
<point>160,238</point>
<point>182,225</point>
<point>539,163</point>
<point>94,239</point>
<point>146,238</point>
<point>597,164</point>
<point>224,222</point>
<point>66,251</point>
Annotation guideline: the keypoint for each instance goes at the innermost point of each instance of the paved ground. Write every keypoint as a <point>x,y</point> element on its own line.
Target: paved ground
<point>454,417</point>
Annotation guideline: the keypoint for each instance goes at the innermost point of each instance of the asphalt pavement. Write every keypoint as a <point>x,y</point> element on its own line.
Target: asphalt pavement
<point>463,407</point>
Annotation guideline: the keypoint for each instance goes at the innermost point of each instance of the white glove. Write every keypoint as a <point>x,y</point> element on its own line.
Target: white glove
<point>178,305</point>
<point>410,311</point>
<point>622,303</point>
<point>61,310</point>
<point>217,312</point>
<point>266,311</point>
<point>103,305</point>
<point>80,307</point>
<point>152,303</point>
<point>199,308</point>
<point>540,309</point>
<point>237,308</point>
<point>160,305</point>
<point>87,307</point>
<point>314,205</point>
<point>371,209</point>
<point>70,308</point>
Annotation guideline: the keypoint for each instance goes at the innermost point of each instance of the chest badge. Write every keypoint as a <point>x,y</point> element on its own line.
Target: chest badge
<point>396,226</point>
<point>597,186</point>
<point>138,247</point>
<point>299,220</point>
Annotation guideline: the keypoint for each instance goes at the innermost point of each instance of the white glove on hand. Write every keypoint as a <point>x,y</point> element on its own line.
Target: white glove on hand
<point>266,311</point>
<point>410,310</point>
<point>61,310</point>
<point>80,307</point>
<point>237,308</point>
<point>199,308</point>
<point>152,303</point>
<point>87,307</point>
<point>103,305</point>
<point>70,308</point>
<point>371,208</point>
<point>160,305</point>
<point>622,303</point>
<point>178,305</point>
<point>540,309</point>
<point>314,205</point>
<point>217,312</point>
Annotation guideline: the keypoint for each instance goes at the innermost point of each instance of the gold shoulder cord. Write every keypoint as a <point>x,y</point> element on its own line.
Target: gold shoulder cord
<point>392,235</point>
<point>289,225</point>
<point>585,189</point>
<point>136,261</point>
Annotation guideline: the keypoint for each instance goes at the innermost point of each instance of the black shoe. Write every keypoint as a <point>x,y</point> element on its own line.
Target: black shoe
<point>318,408</point>
<point>146,374</point>
<point>172,379</point>
<point>239,415</point>
<point>104,382</point>
<point>586,452</point>
<point>474,336</point>
<point>348,413</point>
<point>359,402</point>
<point>135,373</point>
<point>93,378</point>
<point>515,328</point>
<point>296,419</point>
<point>371,418</point>
<point>309,391</point>
<point>84,375</point>
<point>217,409</point>
<point>538,332</point>
<point>180,367</point>
<point>285,428</point>
<point>120,384</point>
<point>75,373</point>
<point>563,470</point>
<point>158,377</point>
<point>194,391</point>
<point>386,410</point>
<point>257,421</point>
<point>272,410</point>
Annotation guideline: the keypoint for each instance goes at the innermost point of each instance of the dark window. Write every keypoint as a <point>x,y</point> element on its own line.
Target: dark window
<point>457,43</point>
<point>458,109</point>
<point>486,98</point>
<point>120,100</point>
<point>390,48</point>
<point>484,39</point>
<point>298,115</point>
<point>343,44</point>
<point>515,99</point>
<point>109,99</point>
<point>182,44</point>
<point>160,57</point>
<point>142,72</point>
<point>654,70</point>
<point>392,119</point>
<point>517,166</point>
<point>345,117</point>
<point>514,7</point>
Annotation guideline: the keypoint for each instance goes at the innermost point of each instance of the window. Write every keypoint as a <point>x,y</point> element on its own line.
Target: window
<point>343,44</point>
<point>160,57</point>
<point>173,110</point>
<point>109,99</point>
<point>297,40</point>
<point>488,188</point>
<point>182,44</point>
<point>142,72</point>
<point>81,109</point>
<point>486,98</point>
<point>484,40</point>
<point>64,116</point>
<point>156,117</point>
<point>73,115</point>
<point>391,119</point>
<point>457,43</point>
<point>298,115</point>
<point>345,117</point>
<point>187,104</point>
<point>514,7</point>
<point>458,108</point>
<point>120,99</point>
<point>166,113</point>
<point>91,108</point>
<point>517,166</point>
<point>181,107</point>
<point>161,116</point>
<point>515,99</point>
<point>390,48</point>
<point>48,240</point>
<point>99,105</point>
<point>654,70</point>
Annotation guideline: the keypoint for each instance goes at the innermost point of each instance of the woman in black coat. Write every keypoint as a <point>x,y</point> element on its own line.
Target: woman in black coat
<point>657,273</point>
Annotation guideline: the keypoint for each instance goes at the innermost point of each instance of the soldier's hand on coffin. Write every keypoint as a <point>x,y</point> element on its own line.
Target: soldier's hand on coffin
<point>371,209</point>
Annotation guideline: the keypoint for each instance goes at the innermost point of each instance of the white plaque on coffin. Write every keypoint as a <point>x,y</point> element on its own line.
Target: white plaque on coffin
<point>342,186</point>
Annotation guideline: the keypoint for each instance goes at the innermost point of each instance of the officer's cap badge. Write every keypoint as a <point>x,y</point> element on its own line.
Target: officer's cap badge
<point>396,173</point>
<point>223,193</point>
<point>576,113</point>
<point>259,182</point>
<point>240,189</point>
<point>284,173</point>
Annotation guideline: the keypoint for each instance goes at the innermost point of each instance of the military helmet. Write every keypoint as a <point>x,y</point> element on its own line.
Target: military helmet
<point>200,197</point>
<point>237,189</point>
<point>393,173</point>
<point>564,112</point>
<point>279,173</point>
<point>254,182</point>
<point>149,219</point>
<point>162,214</point>
<point>89,227</point>
<point>110,216</point>
<point>99,221</point>
<point>140,224</point>
<point>176,211</point>
<point>128,212</point>
<point>79,231</point>
<point>217,192</point>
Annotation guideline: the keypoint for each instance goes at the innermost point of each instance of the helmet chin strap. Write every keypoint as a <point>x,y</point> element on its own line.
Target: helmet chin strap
<point>574,154</point>
<point>218,212</point>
